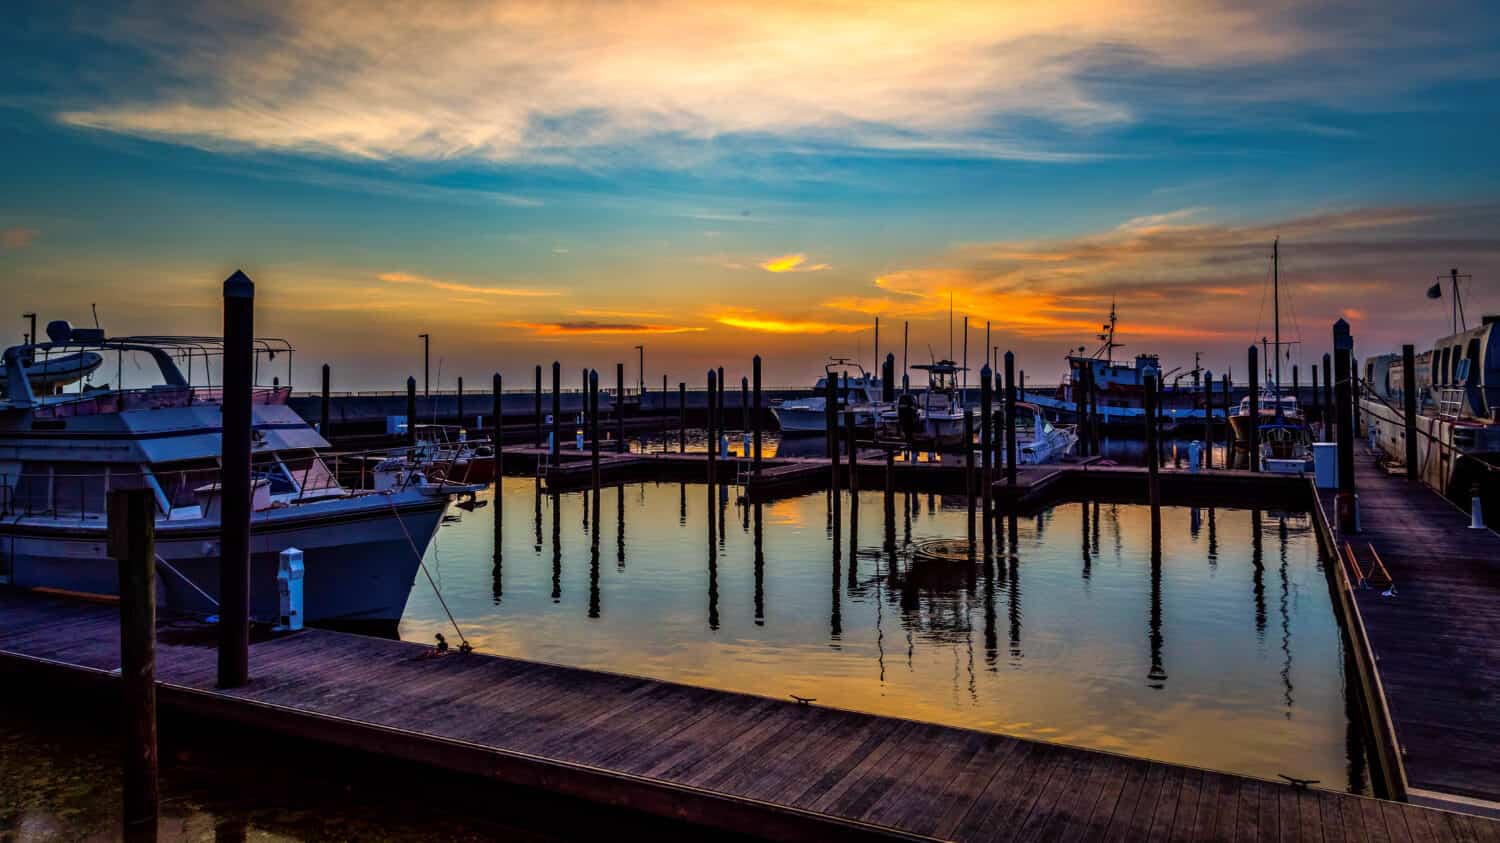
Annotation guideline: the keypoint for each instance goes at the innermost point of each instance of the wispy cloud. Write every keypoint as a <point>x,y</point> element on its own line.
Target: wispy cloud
<point>521,81</point>
<point>791,263</point>
<point>17,238</point>
<point>558,329</point>
<point>473,289</point>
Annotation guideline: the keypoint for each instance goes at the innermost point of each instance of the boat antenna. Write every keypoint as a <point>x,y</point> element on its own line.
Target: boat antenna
<point>31,337</point>
<point>1459,322</point>
<point>94,306</point>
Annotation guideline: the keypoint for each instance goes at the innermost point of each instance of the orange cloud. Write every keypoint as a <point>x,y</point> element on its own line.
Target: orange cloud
<point>473,289</point>
<point>772,325</point>
<point>791,263</point>
<point>17,238</point>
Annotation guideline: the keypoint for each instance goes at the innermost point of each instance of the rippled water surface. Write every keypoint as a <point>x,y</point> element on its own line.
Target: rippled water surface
<point>1220,650</point>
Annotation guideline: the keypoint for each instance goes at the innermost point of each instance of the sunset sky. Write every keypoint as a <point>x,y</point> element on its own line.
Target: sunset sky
<point>540,181</point>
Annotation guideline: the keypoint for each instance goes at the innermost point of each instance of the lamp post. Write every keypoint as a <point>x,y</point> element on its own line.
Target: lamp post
<point>640,351</point>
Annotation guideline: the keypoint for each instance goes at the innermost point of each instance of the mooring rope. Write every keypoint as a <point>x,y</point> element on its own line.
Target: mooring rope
<point>464,642</point>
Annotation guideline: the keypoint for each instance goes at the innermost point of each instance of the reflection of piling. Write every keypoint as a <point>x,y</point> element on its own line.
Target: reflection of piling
<point>1252,421</point>
<point>537,409</point>
<point>235,476</point>
<point>556,407</point>
<point>1409,407</point>
<point>1153,458</point>
<point>682,417</point>
<point>1010,418</point>
<point>758,419</point>
<point>592,401</point>
<point>132,542</point>
<point>411,411</point>
<point>324,405</point>
<point>1343,348</point>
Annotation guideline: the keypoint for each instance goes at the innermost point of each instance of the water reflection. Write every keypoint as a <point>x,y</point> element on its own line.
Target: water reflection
<point>1069,664</point>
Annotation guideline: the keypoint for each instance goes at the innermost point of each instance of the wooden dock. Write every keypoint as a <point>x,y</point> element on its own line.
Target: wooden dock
<point>1436,640</point>
<point>732,761</point>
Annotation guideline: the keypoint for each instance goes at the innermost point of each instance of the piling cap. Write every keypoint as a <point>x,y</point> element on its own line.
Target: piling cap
<point>1341,336</point>
<point>239,286</point>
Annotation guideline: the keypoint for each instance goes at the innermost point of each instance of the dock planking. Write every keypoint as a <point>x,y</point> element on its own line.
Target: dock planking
<point>1437,640</point>
<point>734,761</point>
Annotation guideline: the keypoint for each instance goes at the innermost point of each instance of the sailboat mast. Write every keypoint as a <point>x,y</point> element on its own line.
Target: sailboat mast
<point>1276,306</point>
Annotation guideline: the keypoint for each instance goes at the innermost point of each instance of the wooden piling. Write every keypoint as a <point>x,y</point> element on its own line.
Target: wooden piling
<point>1343,349</point>
<point>682,417</point>
<point>326,405</point>
<point>1327,403</point>
<point>132,542</point>
<point>1312,406</point>
<point>411,410</point>
<point>1296,386</point>
<point>1252,444</point>
<point>1081,397</point>
<point>1021,388</point>
<point>235,479</point>
<point>556,408</point>
<point>1228,428</point>
<point>987,437</point>
<point>1208,419</point>
<point>1153,458</point>
<point>712,434</point>
<point>460,401</point>
<point>538,408</point>
<point>744,405</point>
<point>497,392</point>
<point>1409,407</point>
<point>830,415</point>
<point>758,418</point>
<point>719,407</point>
<point>592,402</point>
<point>1010,418</point>
<point>849,429</point>
<point>620,446</point>
<point>969,471</point>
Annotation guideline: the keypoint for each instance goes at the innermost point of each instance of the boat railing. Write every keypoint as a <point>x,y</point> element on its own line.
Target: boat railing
<point>151,398</point>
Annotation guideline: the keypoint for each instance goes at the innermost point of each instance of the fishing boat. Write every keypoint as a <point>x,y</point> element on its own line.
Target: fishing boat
<point>1120,385</point>
<point>1457,378</point>
<point>1284,438</point>
<point>857,391</point>
<point>60,455</point>
<point>442,451</point>
<point>932,420</point>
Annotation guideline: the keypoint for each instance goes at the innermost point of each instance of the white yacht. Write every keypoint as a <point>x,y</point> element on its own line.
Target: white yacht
<point>857,390</point>
<point>60,453</point>
<point>1038,440</point>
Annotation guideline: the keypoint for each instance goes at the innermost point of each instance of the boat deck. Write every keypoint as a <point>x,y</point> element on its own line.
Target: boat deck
<point>1437,639</point>
<point>773,767</point>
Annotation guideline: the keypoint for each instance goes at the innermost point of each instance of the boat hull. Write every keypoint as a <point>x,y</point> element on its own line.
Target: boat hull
<point>359,562</point>
<point>815,419</point>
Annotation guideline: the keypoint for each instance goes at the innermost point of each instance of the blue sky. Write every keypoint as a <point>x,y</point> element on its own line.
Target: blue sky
<point>556,181</point>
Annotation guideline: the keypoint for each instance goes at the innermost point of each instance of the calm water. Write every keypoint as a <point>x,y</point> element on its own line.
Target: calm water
<point>1224,655</point>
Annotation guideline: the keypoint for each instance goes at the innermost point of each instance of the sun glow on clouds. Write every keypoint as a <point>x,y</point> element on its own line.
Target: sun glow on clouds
<point>573,329</point>
<point>769,324</point>
<point>791,263</point>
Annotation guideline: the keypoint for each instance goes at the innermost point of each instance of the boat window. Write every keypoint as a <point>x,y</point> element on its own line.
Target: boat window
<point>308,471</point>
<point>1442,368</point>
<point>268,467</point>
<point>69,489</point>
<point>180,480</point>
<point>1473,364</point>
<point>1458,356</point>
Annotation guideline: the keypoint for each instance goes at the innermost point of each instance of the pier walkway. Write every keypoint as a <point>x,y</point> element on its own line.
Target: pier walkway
<point>752,764</point>
<point>1437,639</point>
